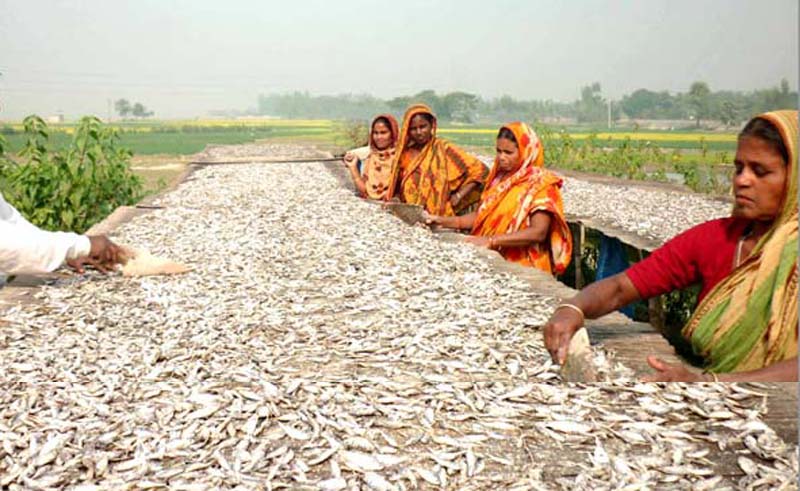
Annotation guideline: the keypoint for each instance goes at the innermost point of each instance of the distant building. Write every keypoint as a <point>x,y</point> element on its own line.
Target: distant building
<point>58,118</point>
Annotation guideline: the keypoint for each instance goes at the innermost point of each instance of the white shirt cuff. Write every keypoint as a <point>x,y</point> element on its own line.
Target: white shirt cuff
<point>81,248</point>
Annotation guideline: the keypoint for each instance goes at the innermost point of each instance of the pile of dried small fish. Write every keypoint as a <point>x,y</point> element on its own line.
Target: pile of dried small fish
<point>320,343</point>
<point>653,213</point>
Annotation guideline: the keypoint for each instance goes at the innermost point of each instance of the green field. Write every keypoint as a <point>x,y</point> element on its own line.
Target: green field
<point>182,142</point>
<point>188,137</point>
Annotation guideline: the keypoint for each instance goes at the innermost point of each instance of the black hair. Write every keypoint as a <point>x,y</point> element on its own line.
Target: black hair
<point>508,135</point>
<point>382,119</point>
<point>764,130</point>
<point>428,117</point>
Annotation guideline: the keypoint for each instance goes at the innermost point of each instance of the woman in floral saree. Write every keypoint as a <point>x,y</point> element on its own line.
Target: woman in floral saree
<point>373,180</point>
<point>521,213</point>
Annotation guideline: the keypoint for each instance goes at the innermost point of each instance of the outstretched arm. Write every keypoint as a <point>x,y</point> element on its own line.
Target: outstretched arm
<point>461,222</point>
<point>537,232</point>
<point>594,301</point>
<point>25,248</point>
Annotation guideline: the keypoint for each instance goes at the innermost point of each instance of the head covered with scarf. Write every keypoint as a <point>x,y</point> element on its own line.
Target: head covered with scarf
<point>749,320</point>
<point>377,170</point>
<point>438,170</point>
<point>510,198</point>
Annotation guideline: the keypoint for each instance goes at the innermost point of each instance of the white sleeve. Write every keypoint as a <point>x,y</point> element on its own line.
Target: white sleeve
<point>361,152</point>
<point>25,248</point>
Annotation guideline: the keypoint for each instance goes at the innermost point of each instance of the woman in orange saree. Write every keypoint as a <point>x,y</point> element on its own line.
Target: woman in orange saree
<point>521,212</point>
<point>432,172</point>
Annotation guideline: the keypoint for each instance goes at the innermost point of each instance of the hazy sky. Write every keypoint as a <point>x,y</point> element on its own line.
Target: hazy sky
<point>184,58</point>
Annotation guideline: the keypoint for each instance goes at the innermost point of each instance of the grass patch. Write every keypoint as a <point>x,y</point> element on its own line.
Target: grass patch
<point>180,143</point>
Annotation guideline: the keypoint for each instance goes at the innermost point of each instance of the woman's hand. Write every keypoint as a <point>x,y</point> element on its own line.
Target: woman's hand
<point>666,372</point>
<point>432,220</point>
<point>455,199</point>
<point>479,241</point>
<point>350,160</point>
<point>558,332</point>
<point>454,222</point>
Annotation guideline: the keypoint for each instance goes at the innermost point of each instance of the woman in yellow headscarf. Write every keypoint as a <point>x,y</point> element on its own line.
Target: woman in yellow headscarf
<point>521,213</point>
<point>745,327</point>
<point>373,180</point>
<point>432,172</point>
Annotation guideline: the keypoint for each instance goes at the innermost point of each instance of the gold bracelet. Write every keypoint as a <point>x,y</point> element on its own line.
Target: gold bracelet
<point>714,376</point>
<point>572,307</point>
<point>491,242</point>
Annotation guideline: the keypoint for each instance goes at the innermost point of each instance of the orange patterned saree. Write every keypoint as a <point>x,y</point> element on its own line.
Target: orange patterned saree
<point>510,199</point>
<point>438,170</point>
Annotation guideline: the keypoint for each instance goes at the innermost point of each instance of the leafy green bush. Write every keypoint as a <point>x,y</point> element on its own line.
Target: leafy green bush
<point>351,134</point>
<point>73,188</point>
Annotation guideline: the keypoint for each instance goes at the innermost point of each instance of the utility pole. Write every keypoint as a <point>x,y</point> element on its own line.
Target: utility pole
<point>609,114</point>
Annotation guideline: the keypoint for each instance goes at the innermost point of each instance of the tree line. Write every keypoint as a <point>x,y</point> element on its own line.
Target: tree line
<point>699,103</point>
<point>124,108</point>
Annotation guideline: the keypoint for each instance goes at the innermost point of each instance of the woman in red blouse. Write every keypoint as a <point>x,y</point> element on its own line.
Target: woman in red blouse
<point>745,326</point>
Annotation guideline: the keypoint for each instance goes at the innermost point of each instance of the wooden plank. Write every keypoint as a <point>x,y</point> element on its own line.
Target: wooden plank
<point>781,408</point>
<point>577,250</point>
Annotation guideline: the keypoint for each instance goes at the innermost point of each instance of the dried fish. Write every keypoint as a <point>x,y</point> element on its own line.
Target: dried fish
<point>748,466</point>
<point>360,462</point>
<point>334,484</point>
<point>377,482</point>
<point>294,433</point>
<point>320,343</point>
<point>573,427</point>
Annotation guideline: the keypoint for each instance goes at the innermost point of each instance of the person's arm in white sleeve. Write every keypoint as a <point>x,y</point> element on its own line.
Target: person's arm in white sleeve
<point>25,248</point>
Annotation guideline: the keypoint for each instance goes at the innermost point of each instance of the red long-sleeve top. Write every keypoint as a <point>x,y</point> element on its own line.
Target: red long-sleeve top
<point>703,254</point>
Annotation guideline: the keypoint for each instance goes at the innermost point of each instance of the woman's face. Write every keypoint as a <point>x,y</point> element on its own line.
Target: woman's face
<point>507,154</point>
<point>760,180</point>
<point>420,131</point>
<point>381,135</point>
